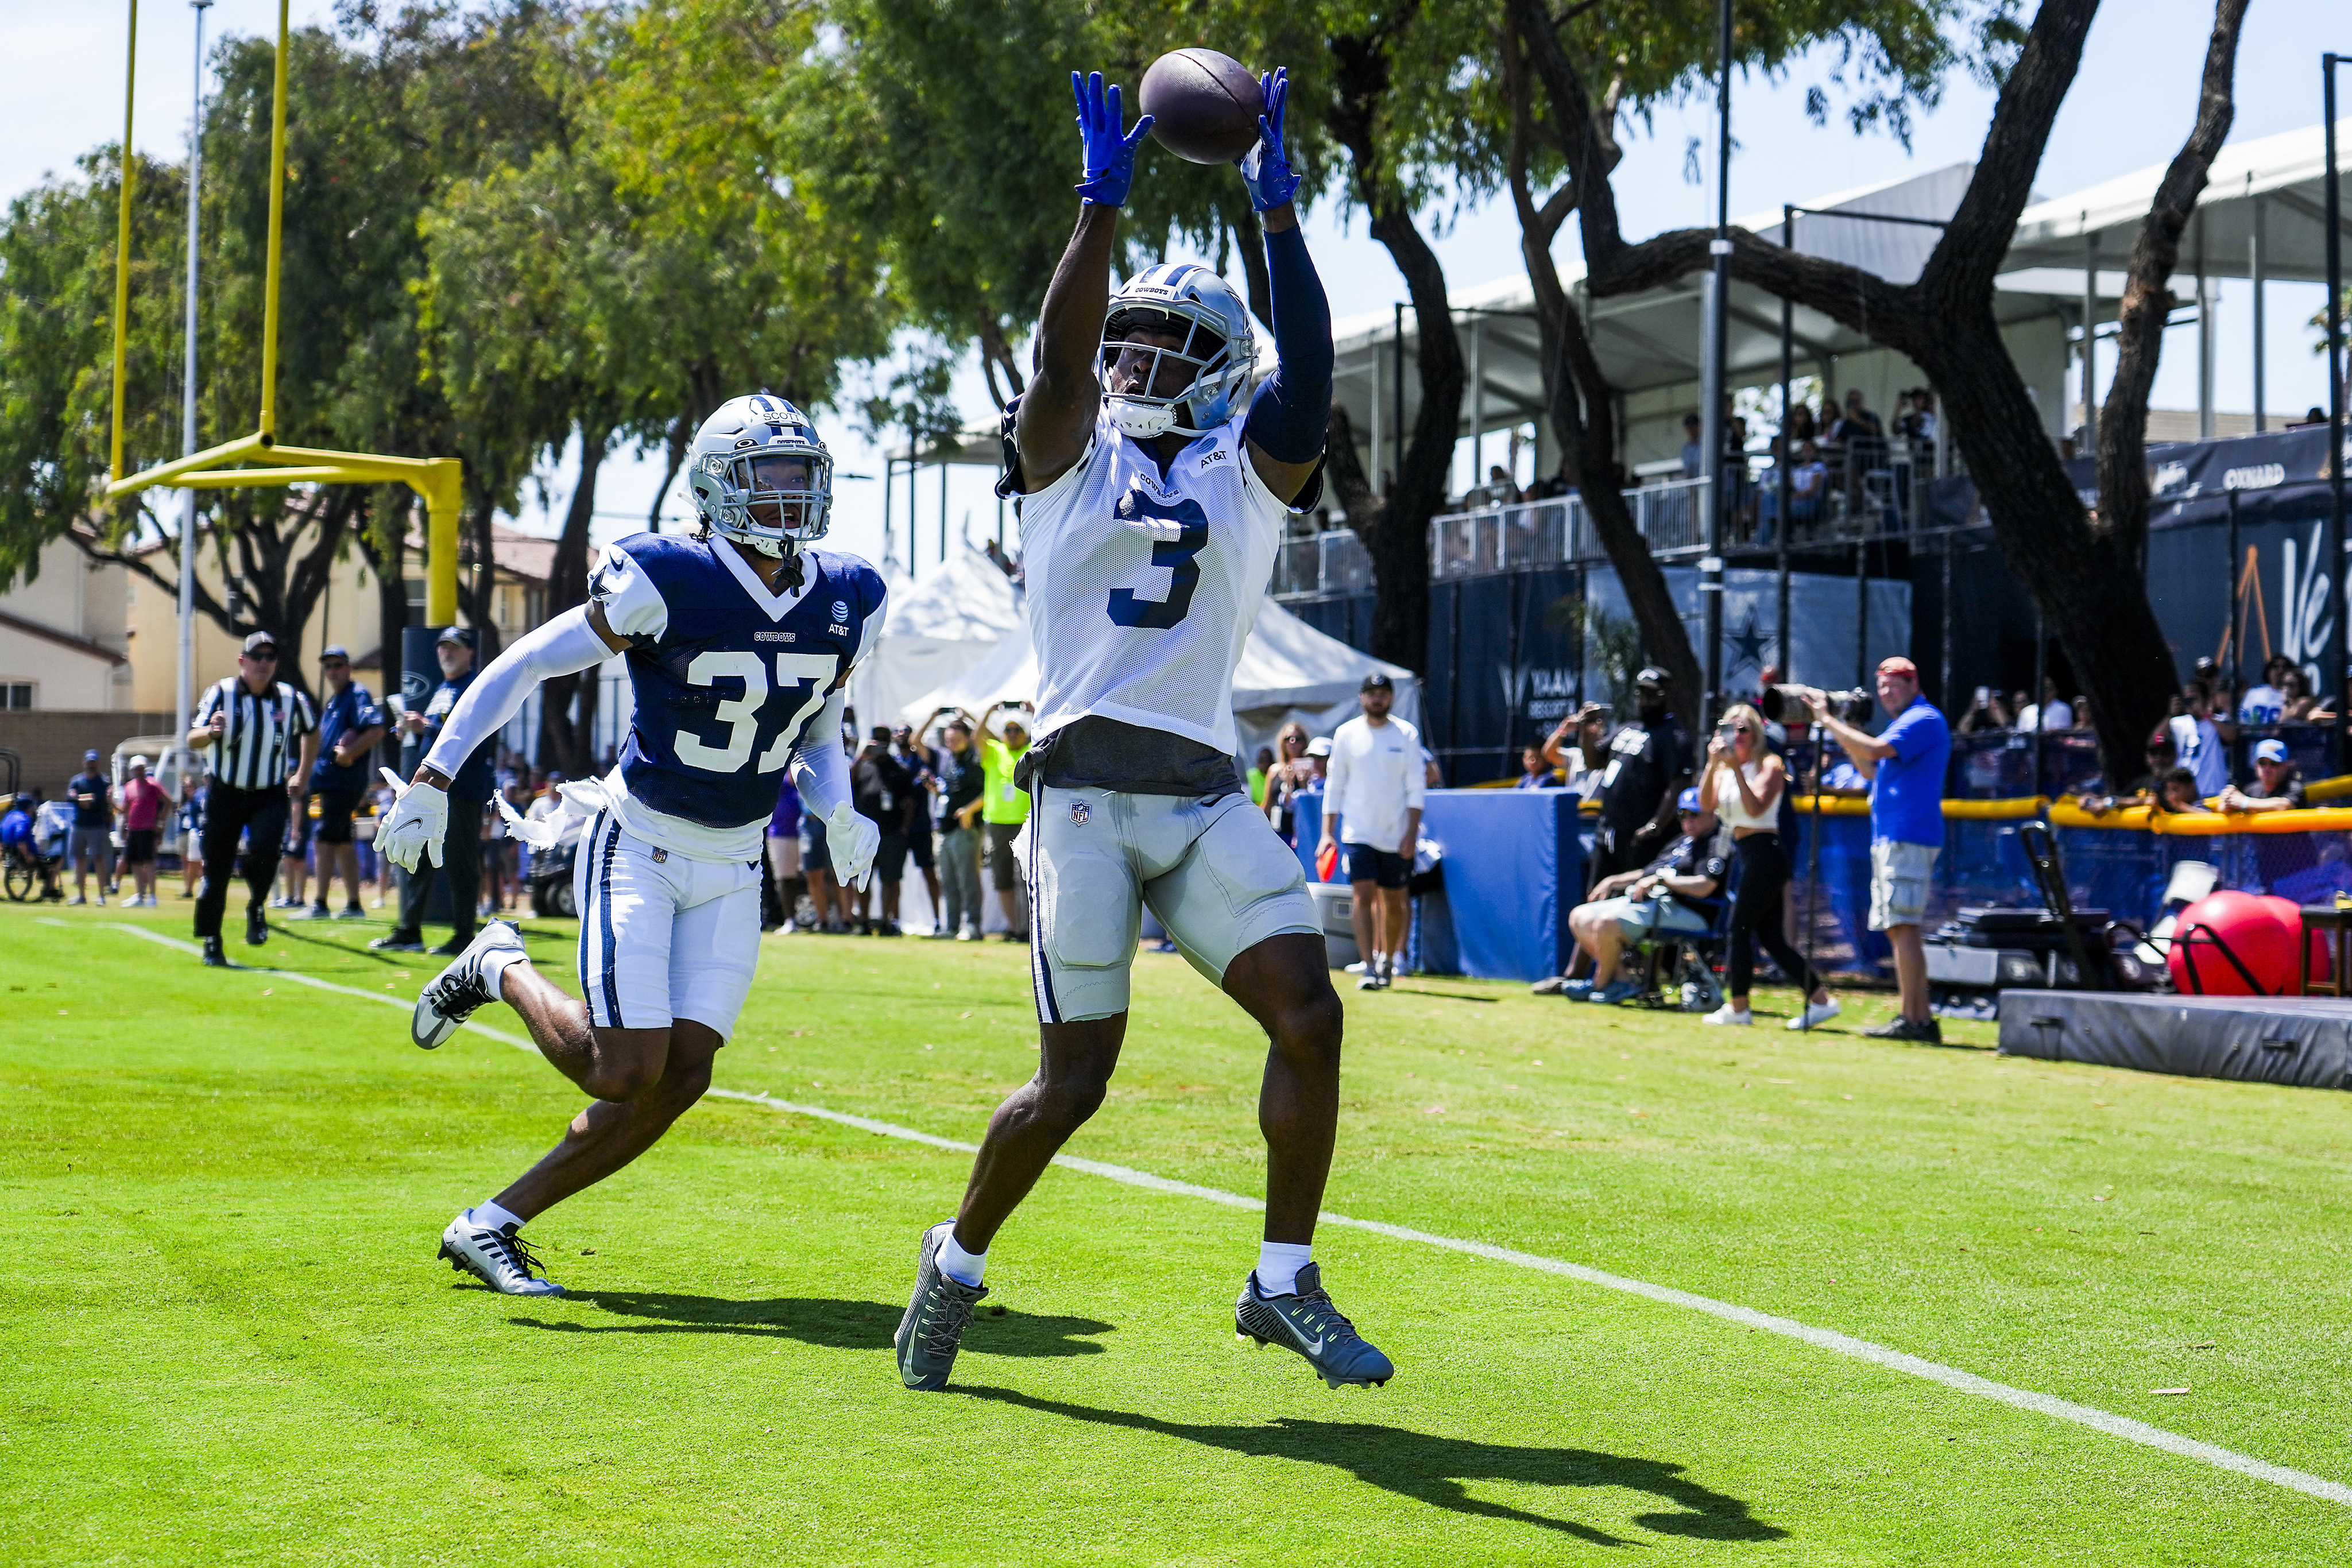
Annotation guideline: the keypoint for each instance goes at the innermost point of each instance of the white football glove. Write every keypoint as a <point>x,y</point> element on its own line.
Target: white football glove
<point>417,825</point>
<point>851,840</point>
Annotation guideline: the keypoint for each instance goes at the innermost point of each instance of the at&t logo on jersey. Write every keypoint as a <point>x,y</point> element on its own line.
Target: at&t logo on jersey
<point>841,610</point>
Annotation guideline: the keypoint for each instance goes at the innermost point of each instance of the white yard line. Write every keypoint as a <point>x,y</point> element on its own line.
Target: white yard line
<point>1894,1360</point>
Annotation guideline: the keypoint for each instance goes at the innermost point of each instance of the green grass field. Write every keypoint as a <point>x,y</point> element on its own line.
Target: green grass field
<point>226,1338</point>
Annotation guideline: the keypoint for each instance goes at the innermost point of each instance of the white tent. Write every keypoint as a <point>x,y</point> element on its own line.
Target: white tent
<point>1288,671</point>
<point>937,627</point>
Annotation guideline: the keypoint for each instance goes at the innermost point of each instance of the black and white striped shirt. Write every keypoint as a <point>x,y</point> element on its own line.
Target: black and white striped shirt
<point>265,733</point>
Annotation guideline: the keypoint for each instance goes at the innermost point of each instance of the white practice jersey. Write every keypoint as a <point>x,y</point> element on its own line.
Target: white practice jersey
<point>1142,592</point>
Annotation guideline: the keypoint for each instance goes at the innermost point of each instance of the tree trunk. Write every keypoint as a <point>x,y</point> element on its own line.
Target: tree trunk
<point>2148,296</point>
<point>1582,410</point>
<point>1396,529</point>
<point>2084,575</point>
<point>386,544</point>
<point>567,704</point>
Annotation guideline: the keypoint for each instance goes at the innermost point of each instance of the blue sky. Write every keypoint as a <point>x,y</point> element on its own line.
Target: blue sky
<point>61,93</point>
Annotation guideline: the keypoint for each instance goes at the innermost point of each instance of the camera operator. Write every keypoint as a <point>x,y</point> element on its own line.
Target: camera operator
<point>1905,766</point>
<point>1649,764</point>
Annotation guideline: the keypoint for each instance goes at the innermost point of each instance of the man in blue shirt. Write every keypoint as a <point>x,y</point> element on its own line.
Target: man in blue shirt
<point>349,725</point>
<point>1905,765</point>
<point>91,845</point>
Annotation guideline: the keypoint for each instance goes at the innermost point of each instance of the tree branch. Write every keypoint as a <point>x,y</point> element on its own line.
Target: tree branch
<point>2147,295</point>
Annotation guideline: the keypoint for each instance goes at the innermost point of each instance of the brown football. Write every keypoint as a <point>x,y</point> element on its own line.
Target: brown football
<point>1203,105</point>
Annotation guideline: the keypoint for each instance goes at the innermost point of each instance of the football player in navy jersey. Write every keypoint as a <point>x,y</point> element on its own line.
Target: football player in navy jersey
<point>739,643</point>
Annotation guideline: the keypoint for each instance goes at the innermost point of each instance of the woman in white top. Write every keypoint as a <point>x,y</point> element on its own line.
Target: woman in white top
<point>1742,785</point>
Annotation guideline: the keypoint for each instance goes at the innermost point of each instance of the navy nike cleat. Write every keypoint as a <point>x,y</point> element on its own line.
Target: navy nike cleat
<point>937,1316</point>
<point>1308,1323</point>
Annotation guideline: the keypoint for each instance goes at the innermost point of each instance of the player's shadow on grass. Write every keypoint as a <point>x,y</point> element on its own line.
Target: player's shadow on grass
<point>1433,1469</point>
<point>819,1321</point>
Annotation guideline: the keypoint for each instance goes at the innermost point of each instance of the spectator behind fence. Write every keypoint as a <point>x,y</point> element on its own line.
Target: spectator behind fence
<point>1649,763</point>
<point>1372,802</point>
<point>349,725</point>
<point>960,783</point>
<point>2177,793</point>
<point>1693,448</point>
<point>2160,757</point>
<point>1986,712</point>
<point>2300,705</point>
<point>2198,743</point>
<point>1004,808</point>
<point>2275,787</point>
<point>1292,773</point>
<point>1742,785</point>
<point>145,805</point>
<point>89,844</point>
<point>880,786</point>
<point>1579,747</point>
<point>1808,481</point>
<point>1535,769</point>
<point>1667,897</point>
<point>2053,712</point>
<point>2267,703</point>
<point>922,764</point>
<point>1906,764</point>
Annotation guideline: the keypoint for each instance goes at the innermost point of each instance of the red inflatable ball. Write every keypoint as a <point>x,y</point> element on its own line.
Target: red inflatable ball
<point>2289,911</point>
<point>2261,933</point>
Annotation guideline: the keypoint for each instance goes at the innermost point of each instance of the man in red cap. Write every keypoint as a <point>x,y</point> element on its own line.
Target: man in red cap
<point>1906,764</point>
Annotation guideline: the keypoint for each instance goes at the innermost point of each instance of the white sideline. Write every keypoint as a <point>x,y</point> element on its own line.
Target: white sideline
<point>1894,1360</point>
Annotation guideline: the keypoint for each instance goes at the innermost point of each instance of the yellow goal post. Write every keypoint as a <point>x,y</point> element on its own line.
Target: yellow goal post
<point>440,481</point>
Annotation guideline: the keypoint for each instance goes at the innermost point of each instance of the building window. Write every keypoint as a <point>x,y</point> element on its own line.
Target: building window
<point>415,587</point>
<point>17,694</point>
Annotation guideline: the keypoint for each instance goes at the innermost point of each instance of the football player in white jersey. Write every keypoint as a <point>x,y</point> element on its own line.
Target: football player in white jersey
<point>739,644</point>
<point>1155,489</point>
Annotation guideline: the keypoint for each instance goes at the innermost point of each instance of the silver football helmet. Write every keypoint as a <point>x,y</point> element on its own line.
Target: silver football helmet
<point>759,475</point>
<point>1216,344</point>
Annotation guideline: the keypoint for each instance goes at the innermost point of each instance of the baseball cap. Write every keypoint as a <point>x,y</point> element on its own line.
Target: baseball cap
<point>254,642</point>
<point>1377,681</point>
<point>2270,751</point>
<point>1319,747</point>
<point>141,761</point>
<point>90,756</point>
<point>334,651</point>
<point>1688,801</point>
<point>1651,675</point>
<point>1897,664</point>
<point>461,635</point>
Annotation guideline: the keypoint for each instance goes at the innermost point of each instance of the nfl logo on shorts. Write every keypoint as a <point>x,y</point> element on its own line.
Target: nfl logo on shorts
<point>1079,813</point>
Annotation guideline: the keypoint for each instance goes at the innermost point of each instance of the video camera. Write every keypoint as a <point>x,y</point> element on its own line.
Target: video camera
<point>1787,705</point>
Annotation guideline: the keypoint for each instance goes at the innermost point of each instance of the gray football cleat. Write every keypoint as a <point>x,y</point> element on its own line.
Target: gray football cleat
<point>465,986</point>
<point>1308,1323</point>
<point>936,1317</point>
<point>499,1258</point>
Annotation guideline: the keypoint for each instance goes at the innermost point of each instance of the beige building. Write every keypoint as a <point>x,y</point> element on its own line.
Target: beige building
<point>65,637</point>
<point>346,613</point>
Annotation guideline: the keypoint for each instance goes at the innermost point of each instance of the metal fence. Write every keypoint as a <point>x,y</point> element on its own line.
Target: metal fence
<point>1882,500</point>
<point>1334,562</point>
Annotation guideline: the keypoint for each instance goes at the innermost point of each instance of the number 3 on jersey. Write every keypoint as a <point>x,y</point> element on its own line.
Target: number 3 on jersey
<point>1179,555</point>
<point>741,714</point>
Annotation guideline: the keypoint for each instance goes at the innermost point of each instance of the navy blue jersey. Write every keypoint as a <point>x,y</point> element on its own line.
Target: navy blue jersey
<point>726,674</point>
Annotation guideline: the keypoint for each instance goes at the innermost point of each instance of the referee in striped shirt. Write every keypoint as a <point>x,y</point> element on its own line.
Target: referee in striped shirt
<point>264,738</point>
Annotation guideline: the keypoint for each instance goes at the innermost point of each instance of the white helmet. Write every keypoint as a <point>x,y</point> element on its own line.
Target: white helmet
<point>759,475</point>
<point>1217,344</point>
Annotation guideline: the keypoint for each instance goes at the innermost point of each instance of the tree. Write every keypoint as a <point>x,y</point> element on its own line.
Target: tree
<point>2085,571</point>
<point>2148,291</point>
<point>1394,106</point>
<point>1892,57</point>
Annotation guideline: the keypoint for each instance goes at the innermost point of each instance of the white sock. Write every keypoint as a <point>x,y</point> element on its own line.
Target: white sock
<point>494,966</point>
<point>965,1267</point>
<point>489,1213</point>
<point>1278,1263</point>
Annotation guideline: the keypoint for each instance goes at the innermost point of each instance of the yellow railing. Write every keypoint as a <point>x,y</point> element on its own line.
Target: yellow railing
<point>439,481</point>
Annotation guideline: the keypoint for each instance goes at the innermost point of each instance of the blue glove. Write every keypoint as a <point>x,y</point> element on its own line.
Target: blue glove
<point>1264,168</point>
<point>1110,157</point>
